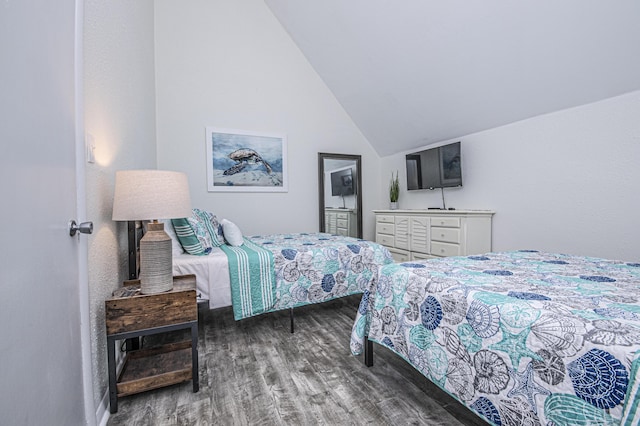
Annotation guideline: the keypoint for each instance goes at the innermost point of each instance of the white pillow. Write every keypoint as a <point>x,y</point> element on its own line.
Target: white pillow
<point>232,233</point>
<point>176,247</point>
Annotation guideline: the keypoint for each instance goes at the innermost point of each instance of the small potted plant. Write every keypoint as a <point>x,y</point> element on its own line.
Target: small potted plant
<point>394,191</point>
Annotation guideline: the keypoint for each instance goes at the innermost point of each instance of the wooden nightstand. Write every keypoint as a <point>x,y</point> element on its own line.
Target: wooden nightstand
<point>130,314</point>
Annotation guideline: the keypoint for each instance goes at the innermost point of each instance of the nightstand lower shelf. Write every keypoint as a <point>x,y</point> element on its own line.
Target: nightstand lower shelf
<point>153,368</point>
<point>148,369</point>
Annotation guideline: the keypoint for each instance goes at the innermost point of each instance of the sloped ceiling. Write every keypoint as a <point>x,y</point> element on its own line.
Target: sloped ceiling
<point>414,72</point>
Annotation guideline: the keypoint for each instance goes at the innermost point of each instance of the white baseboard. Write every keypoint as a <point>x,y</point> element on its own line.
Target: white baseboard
<point>102,411</point>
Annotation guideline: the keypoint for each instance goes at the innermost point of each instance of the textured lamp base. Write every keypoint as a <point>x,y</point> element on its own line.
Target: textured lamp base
<point>155,260</point>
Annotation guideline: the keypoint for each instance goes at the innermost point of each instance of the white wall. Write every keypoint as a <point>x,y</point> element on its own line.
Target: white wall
<point>230,64</point>
<point>120,116</point>
<point>564,182</point>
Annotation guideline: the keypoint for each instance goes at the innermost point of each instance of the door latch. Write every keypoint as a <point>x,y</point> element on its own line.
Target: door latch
<point>83,228</point>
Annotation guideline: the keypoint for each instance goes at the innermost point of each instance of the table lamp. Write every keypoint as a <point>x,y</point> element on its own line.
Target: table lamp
<point>152,195</point>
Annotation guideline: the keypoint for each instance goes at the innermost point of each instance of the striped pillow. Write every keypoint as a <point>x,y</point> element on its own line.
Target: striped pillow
<point>188,238</point>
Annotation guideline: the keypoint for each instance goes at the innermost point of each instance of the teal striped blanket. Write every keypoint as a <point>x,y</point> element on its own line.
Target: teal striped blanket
<point>252,277</point>
<point>273,272</point>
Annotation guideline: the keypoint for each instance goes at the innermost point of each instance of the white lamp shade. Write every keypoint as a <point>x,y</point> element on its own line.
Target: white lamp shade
<point>151,194</point>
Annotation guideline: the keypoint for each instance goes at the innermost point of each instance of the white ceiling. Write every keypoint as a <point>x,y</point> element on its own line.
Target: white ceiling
<point>415,72</point>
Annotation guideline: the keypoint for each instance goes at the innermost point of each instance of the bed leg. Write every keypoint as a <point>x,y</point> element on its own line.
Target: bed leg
<point>368,352</point>
<point>291,317</point>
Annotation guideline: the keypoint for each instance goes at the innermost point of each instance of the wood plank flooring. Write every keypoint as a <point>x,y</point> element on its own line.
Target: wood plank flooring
<point>255,372</point>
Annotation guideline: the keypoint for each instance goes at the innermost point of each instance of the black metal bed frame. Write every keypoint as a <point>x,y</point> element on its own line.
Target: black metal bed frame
<point>133,249</point>
<point>368,352</point>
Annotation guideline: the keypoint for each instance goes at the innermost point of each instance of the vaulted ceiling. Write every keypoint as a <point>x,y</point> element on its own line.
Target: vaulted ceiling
<point>415,72</point>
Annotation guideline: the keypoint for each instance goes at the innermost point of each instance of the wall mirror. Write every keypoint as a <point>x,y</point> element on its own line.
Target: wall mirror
<point>340,192</point>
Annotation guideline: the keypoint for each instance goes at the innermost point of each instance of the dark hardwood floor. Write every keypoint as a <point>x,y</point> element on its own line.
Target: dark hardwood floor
<point>255,372</point>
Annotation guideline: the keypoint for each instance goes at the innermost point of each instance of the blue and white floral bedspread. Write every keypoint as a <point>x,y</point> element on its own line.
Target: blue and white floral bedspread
<point>522,338</point>
<point>316,267</point>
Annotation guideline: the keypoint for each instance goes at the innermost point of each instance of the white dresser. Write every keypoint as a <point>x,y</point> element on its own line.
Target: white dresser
<point>340,221</point>
<point>424,234</point>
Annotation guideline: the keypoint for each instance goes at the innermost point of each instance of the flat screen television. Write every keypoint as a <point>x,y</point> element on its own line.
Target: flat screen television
<point>342,182</point>
<point>432,168</point>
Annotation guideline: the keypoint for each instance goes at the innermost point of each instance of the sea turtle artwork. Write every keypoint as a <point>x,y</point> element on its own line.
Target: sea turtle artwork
<point>243,157</point>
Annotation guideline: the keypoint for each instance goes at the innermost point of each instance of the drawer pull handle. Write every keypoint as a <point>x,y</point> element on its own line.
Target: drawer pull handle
<point>441,250</point>
<point>442,235</point>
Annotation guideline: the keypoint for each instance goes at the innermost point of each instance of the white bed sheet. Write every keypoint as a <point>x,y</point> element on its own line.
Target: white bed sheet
<point>212,275</point>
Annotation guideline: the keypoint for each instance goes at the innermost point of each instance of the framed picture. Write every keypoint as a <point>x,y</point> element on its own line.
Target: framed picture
<point>245,161</point>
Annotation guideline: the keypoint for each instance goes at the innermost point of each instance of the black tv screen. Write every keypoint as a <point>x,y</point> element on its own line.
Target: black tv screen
<point>342,182</point>
<point>432,168</point>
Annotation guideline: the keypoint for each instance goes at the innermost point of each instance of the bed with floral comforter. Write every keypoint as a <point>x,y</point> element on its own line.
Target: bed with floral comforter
<point>521,338</point>
<point>274,272</point>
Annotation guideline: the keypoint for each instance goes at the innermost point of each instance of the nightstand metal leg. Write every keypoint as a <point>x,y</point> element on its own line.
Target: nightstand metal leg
<point>111,363</point>
<point>195,376</point>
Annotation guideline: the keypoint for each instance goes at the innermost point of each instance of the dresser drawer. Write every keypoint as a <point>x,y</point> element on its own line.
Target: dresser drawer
<point>447,222</point>
<point>342,215</point>
<point>445,249</point>
<point>343,223</point>
<point>385,240</point>
<point>385,218</point>
<point>400,255</point>
<point>385,228</point>
<point>421,256</point>
<point>448,235</point>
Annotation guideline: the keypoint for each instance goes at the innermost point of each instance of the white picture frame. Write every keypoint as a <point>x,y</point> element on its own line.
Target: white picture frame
<point>246,161</point>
